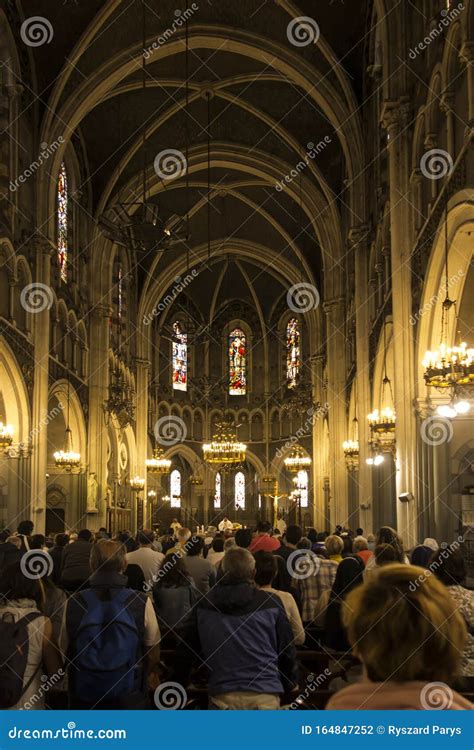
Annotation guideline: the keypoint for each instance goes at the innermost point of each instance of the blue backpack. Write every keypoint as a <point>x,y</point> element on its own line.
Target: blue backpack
<point>106,655</point>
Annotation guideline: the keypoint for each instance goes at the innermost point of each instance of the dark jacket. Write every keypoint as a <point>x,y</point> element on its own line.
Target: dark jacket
<point>244,636</point>
<point>173,604</point>
<point>56,554</point>
<point>75,563</point>
<point>9,554</point>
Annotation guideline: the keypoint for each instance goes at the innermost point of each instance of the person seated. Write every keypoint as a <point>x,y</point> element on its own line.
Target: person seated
<point>408,634</point>
<point>263,540</point>
<point>361,549</point>
<point>174,594</point>
<point>266,569</point>
<point>321,578</point>
<point>145,556</point>
<point>245,671</point>
<point>243,538</point>
<point>216,552</point>
<point>421,555</point>
<point>56,553</point>
<point>387,535</point>
<point>183,535</point>
<point>202,571</point>
<point>449,567</point>
<point>349,574</point>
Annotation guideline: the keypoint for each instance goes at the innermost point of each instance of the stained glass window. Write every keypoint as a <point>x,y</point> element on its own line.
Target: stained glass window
<point>218,491</point>
<point>120,292</point>
<point>180,358</point>
<point>302,485</point>
<point>175,488</point>
<point>62,226</point>
<point>239,493</point>
<point>237,363</point>
<point>293,353</point>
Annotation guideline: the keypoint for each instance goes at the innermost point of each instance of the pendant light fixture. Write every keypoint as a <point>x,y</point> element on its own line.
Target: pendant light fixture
<point>67,459</point>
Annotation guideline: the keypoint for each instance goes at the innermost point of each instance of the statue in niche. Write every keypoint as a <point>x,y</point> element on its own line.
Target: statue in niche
<point>92,494</point>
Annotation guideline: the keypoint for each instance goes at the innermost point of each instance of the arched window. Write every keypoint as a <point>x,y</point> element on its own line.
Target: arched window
<point>62,221</point>
<point>293,353</point>
<point>237,363</point>
<point>302,486</point>
<point>180,358</point>
<point>218,491</point>
<point>175,488</point>
<point>239,490</point>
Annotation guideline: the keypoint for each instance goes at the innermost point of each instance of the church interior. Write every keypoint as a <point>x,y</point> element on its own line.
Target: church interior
<point>236,272</point>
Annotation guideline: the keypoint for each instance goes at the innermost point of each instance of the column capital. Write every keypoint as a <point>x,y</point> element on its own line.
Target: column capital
<point>43,245</point>
<point>102,310</point>
<point>466,53</point>
<point>331,304</point>
<point>357,235</point>
<point>145,363</point>
<point>395,115</point>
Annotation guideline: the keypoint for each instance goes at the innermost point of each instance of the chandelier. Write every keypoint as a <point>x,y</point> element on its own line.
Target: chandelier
<point>382,422</point>
<point>351,448</point>
<point>6,435</point>
<point>297,460</point>
<point>121,398</point>
<point>67,459</point>
<point>448,366</point>
<point>158,464</point>
<point>224,450</point>
<point>137,484</point>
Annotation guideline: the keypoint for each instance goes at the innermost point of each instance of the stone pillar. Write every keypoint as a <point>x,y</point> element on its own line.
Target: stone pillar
<point>359,238</point>
<point>395,118</point>
<point>6,194</point>
<point>15,90</point>
<point>141,423</point>
<point>467,57</point>
<point>336,350</point>
<point>317,374</point>
<point>41,323</point>
<point>98,393</point>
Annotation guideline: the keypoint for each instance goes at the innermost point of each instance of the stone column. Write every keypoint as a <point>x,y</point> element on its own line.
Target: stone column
<point>317,375</point>
<point>15,90</point>
<point>359,238</point>
<point>336,350</point>
<point>98,393</point>
<point>467,57</point>
<point>141,423</point>
<point>395,118</point>
<point>41,324</point>
<point>6,194</point>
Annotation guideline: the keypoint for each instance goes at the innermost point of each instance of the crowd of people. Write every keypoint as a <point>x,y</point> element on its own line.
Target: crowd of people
<point>236,608</point>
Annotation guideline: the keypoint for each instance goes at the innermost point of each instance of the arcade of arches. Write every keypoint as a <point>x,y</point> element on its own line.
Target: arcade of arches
<point>234,212</point>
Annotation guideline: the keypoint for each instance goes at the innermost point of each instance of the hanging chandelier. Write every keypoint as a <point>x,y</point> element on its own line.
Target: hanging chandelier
<point>67,459</point>
<point>382,422</point>
<point>6,435</point>
<point>196,479</point>
<point>448,366</point>
<point>351,448</point>
<point>224,450</point>
<point>297,460</point>
<point>137,484</point>
<point>158,464</point>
